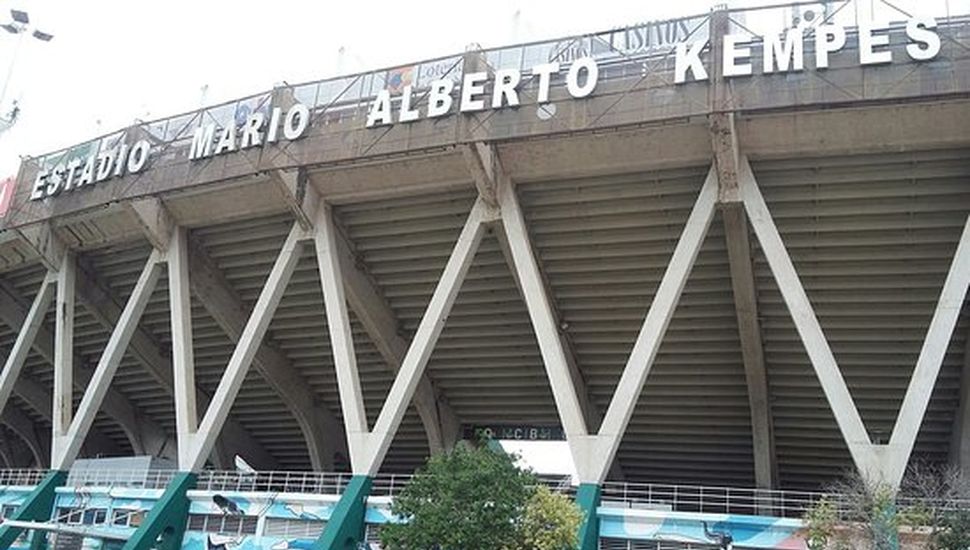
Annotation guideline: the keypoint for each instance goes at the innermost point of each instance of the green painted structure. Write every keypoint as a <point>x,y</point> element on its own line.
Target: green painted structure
<point>37,507</point>
<point>165,525</point>
<point>588,500</point>
<point>345,530</point>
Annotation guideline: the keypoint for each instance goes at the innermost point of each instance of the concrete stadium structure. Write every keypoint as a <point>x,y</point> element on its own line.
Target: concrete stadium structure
<point>752,281</point>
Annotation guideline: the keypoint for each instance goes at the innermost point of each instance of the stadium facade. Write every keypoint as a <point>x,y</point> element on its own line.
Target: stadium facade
<point>712,254</point>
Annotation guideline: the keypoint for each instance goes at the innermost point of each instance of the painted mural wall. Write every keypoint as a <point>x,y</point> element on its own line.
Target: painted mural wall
<point>105,517</point>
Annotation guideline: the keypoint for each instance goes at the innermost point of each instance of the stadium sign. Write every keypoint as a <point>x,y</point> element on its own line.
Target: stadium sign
<point>581,78</point>
<point>781,53</point>
<point>481,90</point>
<point>253,132</point>
<point>122,159</point>
<point>95,168</point>
<point>785,52</point>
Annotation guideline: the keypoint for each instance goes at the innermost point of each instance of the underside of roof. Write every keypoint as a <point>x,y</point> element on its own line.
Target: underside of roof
<point>871,237</point>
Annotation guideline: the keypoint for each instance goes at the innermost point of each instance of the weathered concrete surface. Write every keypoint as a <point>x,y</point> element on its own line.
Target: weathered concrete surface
<point>583,136</point>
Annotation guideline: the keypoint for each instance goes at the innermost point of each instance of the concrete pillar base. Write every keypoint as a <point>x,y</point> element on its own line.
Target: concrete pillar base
<point>165,525</point>
<point>588,500</point>
<point>37,507</point>
<point>345,529</point>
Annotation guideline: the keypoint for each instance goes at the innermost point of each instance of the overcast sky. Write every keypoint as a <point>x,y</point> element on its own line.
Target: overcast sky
<point>112,62</point>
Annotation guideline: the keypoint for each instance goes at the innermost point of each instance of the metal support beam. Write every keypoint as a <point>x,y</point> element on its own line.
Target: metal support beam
<point>201,440</point>
<point>67,447</point>
<point>321,429</point>
<point>441,425</point>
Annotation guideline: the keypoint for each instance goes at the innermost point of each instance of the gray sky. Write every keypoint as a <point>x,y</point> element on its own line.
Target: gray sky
<point>114,61</point>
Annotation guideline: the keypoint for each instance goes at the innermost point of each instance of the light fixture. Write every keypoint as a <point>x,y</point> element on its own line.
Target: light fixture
<point>20,16</point>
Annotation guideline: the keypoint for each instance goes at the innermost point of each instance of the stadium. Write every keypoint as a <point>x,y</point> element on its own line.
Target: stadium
<point>724,260</point>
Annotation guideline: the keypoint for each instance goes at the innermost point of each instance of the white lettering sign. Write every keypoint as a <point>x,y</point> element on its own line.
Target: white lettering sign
<point>95,168</point>
<point>479,92</point>
<point>209,141</point>
<point>786,52</point>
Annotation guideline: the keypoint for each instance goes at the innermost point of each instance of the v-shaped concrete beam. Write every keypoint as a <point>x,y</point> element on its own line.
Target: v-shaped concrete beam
<point>879,463</point>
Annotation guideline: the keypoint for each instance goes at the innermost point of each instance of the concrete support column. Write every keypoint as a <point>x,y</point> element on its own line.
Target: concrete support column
<point>960,443</point>
<point>346,527</point>
<point>63,411</point>
<point>165,524</point>
<point>588,499</point>
<point>37,507</point>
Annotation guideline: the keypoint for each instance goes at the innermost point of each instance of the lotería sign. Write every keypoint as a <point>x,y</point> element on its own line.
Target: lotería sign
<point>781,53</point>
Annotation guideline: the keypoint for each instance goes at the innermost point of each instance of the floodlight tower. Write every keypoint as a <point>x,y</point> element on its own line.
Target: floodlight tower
<point>20,26</point>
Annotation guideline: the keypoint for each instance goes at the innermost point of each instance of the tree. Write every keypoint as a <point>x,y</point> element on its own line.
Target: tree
<point>467,499</point>
<point>936,502</point>
<point>551,522</point>
<point>821,521</point>
<point>862,514</point>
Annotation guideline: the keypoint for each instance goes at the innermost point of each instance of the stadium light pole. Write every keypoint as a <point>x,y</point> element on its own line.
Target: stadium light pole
<point>19,25</point>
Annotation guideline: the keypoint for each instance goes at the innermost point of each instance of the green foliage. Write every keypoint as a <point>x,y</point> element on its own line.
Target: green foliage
<point>953,531</point>
<point>821,520</point>
<point>883,522</point>
<point>551,522</point>
<point>466,499</point>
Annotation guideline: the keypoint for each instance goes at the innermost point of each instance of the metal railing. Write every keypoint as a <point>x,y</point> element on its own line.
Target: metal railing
<point>140,479</point>
<point>647,496</point>
<point>704,499</point>
<point>327,483</point>
<point>21,477</point>
<point>349,96</point>
<point>273,482</point>
<point>742,501</point>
